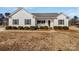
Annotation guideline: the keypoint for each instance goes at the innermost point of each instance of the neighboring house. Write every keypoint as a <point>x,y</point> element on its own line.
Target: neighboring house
<point>23,18</point>
<point>77,23</point>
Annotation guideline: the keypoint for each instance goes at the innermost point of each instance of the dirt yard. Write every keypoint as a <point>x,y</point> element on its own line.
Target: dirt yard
<point>39,41</point>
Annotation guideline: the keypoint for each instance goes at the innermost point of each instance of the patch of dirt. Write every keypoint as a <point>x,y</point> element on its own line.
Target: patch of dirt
<point>21,41</point>
<point>39,41</point>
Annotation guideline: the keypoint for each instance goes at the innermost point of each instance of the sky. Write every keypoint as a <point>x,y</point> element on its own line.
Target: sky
<point>69,11</point>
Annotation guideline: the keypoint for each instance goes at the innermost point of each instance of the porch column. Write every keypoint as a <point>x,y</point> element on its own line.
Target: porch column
<point>46,22</point>
<point>33,22</point>
<point>51,23</point>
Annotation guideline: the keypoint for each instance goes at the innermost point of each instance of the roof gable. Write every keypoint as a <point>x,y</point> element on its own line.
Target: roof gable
<point>19,9</point>
<point>63,15</point>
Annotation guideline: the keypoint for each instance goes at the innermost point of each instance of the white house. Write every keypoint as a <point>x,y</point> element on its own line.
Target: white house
<point>23,18</point>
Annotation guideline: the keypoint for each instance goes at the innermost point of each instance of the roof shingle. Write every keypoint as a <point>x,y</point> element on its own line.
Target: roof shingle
<point>45,14</point>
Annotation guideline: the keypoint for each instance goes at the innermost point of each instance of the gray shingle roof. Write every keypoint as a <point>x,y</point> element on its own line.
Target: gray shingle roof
<point>45,14</point>
<point>54,15</point>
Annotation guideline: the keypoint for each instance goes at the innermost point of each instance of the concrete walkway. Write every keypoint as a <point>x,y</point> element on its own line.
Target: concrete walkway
<point>2,29</point>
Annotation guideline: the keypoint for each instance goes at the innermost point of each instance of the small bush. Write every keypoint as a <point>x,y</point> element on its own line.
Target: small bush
<point>61,27</point>
<point>65,28</point>
<point>36,27</point>
<point>14,27</point>
<point>33,27</point>
<point>11,27</point>
<point>20,27</point>
<point>8,27</point>
<point>26,28</point>
<point>43,27</point>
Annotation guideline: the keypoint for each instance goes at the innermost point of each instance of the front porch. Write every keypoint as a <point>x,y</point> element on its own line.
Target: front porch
<point>44,22</point>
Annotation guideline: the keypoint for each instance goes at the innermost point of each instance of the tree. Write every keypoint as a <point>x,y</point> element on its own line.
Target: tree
<point>74,20</point>
<point>4,18</point>
<point>7,14</point>
<point>1,18</point>
<point>5,22</point>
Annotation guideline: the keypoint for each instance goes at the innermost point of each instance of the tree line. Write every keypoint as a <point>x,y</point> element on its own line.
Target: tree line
<point>4,18</point>
<point>74,20</point>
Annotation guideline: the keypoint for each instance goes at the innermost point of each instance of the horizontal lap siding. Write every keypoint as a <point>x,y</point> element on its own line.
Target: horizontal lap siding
<point>22,15</point>
<point>61,17</point>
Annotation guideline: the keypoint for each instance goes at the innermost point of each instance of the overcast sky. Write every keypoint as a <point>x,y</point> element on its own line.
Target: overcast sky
<point>70,11</point>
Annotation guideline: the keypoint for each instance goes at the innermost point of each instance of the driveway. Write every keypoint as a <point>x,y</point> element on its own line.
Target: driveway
<point>2,28</point>
<point>74,28</point>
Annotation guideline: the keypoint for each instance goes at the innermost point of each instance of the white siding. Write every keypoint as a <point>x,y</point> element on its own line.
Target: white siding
<point>63,17</point>
<point>21,15</point>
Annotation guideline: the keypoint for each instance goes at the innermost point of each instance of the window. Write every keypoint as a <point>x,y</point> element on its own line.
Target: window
<point>41,22</point>
<point>61,22</point>
<point>15,21</point>
<point>27,21</point>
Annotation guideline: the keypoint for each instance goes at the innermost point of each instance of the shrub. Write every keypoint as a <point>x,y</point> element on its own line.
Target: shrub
<point>8,27</point>
<point>26,28</point>
<point>61,27</point>
<point>36,27</point>
<point>14,27</point>
<point>20,27</point>
<point>43,27</point>
<point>33,27</point>
<point>11,27</point>
<point>65,28</point>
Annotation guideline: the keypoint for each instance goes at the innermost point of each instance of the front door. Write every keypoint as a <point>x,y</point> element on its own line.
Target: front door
<point>49,23</point>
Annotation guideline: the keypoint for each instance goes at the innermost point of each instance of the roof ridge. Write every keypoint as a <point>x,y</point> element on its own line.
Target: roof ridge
<point>44,13</point>
<point>18,9</point>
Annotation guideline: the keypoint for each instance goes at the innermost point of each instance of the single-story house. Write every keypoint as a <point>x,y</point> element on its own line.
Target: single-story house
<point>21,17</point>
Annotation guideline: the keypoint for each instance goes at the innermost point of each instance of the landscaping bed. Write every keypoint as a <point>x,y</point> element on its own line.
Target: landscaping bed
<point>36,28</point>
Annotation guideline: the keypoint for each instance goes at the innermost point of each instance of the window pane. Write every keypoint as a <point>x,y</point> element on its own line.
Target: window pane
<point>61,22</point>
<point>27,21</point>
<point>41,22</point>
<point>15,22</point>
